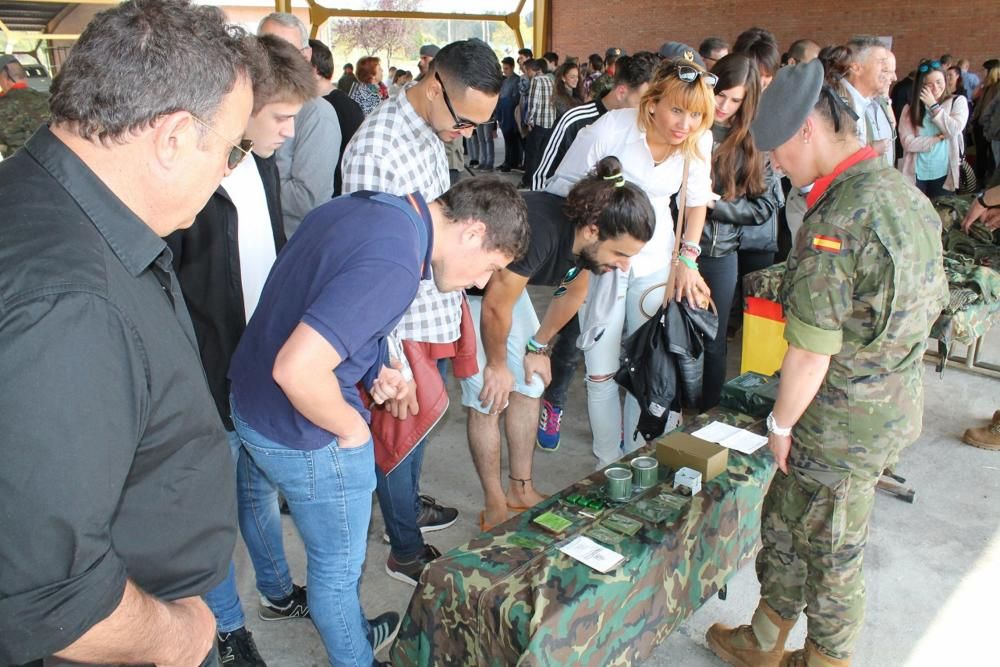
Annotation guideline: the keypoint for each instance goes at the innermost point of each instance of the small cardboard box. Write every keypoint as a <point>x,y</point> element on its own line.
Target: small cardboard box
<point>681,450</point>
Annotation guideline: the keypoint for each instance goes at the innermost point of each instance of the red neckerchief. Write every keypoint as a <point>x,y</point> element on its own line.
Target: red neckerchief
<point>19,84</point>
<point>822,183</point>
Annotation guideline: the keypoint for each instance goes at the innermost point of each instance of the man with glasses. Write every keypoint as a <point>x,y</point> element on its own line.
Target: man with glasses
<point>117,482</point>
<point>400,149</point>
<point>308,162</point>
<point>22,109</point>
<point>238,234</point>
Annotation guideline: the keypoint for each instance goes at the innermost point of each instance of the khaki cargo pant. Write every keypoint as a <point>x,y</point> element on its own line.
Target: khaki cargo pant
<point>813,546</point>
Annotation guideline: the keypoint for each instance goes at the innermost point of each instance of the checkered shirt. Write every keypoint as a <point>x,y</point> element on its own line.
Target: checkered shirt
<point>541,110</point>
<point>397,152</point>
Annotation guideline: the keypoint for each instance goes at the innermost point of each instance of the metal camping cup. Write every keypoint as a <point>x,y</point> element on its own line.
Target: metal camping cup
<point>619,483</point>
<point>644,470</point>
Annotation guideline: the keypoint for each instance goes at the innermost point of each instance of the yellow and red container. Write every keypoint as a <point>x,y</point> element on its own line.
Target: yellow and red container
<point>764,342</point>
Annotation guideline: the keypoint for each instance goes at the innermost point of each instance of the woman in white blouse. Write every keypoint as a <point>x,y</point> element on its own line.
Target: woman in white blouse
<point>652,143</point>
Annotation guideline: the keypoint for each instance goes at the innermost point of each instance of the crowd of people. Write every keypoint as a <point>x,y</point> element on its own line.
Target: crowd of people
<point>266,273</point>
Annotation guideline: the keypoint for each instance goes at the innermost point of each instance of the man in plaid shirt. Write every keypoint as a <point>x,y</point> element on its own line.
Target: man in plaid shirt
<point>399,149</point>
<point>540,119</point>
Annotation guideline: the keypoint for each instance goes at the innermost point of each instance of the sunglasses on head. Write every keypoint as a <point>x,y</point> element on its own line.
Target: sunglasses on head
<point>460,123</point>
<point>927,65</point>
<point>689,74</point>
<point>237,153</point>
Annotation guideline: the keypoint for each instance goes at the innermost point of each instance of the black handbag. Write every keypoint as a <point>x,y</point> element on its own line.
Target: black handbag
<point>661,361</point>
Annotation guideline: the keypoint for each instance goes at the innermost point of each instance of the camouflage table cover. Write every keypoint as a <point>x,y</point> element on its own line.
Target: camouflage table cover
<point>962,322</point>
<point>510,597</point>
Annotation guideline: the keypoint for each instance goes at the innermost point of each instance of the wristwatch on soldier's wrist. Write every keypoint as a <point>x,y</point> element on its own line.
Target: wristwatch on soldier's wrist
<point>772,427</point>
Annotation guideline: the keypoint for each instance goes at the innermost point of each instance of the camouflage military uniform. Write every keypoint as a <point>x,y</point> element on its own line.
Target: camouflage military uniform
<point>22,110</point>
<point>864,286</point>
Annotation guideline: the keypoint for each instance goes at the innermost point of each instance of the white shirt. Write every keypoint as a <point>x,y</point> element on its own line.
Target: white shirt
<point>253,230</point>
<point>617,133</point>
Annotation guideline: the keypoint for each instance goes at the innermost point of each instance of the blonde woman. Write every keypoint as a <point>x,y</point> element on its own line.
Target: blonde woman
<point>652,142</point>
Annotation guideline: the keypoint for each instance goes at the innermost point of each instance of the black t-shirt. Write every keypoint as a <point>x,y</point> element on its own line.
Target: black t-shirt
<point>550,253</point>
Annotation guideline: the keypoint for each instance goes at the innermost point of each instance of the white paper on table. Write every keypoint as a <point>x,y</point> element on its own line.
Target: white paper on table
<point>731,437</point>
<point>592,554</point>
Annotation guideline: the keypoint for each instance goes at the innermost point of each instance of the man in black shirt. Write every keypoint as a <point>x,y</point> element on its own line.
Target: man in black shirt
<point>349,112</point>
<point>598,228</point>
<point>116,482</point>
<point>631,79</point>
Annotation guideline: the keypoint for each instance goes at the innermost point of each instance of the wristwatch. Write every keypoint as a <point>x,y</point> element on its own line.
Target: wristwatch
<point>772,427</point>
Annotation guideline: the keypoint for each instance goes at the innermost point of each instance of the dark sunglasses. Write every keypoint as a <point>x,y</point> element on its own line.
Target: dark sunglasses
<point>460,123</point>
<point>689,74</point>
<point>837,103</point>
<point>237,153</point>
<point>927,65</point>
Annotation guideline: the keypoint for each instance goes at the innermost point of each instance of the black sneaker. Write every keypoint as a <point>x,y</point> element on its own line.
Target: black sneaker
<point>294,606</point>
<point>237,649</point>
<point>384,628</point>
<point>432,516</point>
<point>409,572</point>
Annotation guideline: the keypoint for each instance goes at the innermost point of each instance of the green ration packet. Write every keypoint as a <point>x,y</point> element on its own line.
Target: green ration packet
<point>602,534</point>
<point>659,509</point>
<point>621,524</point>
<point>553,522</point>
<point>526,542</point>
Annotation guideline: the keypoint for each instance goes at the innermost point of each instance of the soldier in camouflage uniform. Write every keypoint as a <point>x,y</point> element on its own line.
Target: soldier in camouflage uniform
<point>985,208</point>
<point>863,287</point>
<point>22,109</point>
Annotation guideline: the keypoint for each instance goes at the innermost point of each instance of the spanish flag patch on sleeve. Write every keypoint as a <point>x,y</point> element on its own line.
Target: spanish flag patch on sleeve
<point>827,244</point>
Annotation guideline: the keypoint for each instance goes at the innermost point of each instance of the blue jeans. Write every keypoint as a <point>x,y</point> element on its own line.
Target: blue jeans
<point>399,497</point>
<point>329,494</point>
<point>260,526</point>
<point>565,358</point>
<point>484,138</point>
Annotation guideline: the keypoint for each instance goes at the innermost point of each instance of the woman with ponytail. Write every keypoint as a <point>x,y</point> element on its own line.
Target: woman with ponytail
<point>751,196</point>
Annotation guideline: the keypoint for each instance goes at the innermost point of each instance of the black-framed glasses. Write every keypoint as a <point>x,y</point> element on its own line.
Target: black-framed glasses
<point>689,74</point>
<point>237,153</point>
<point>927,65</point>
<point>460,123</point>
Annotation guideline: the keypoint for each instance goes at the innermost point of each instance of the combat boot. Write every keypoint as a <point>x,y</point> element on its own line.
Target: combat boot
<point>811,656</point>
<point>987,437</point>
<point>760,644</point>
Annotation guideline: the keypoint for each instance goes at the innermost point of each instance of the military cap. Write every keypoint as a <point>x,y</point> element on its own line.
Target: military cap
<point>785,104</point>
<point>429,50</point>
<point>680,51</point>
<point>6,60</point>
<point>614,52</point>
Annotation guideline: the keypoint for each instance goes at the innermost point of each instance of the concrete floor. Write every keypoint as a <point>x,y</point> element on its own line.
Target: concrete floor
<point>932,568</point>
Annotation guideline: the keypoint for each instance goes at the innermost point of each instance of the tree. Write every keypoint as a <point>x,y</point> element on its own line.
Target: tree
<point>382,34</point>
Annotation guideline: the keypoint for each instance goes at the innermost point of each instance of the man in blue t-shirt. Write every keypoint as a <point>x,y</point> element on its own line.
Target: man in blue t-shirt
<point>335,292</point>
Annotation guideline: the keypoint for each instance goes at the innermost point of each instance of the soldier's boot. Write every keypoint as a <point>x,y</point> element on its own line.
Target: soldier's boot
<point>760,644</point>
<point>811,656</point>
<point>987,437</point>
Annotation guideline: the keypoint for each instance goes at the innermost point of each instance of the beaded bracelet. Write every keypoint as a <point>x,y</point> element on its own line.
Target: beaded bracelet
<point>692,246</point>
